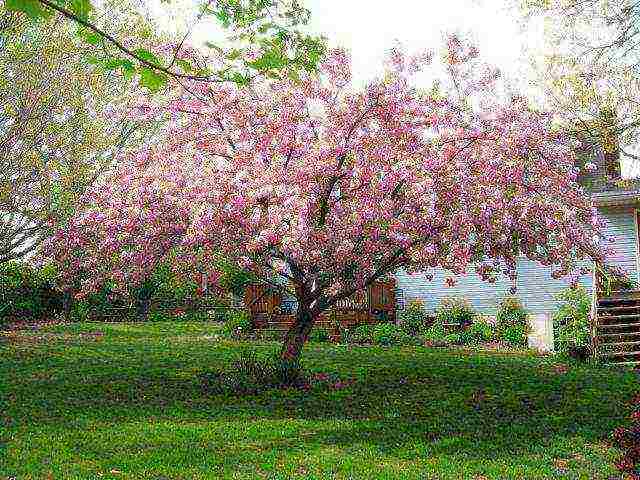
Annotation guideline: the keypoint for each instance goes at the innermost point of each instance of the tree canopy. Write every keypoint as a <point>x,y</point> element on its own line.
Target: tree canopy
<point>333,187</point>
<point>590,73</point>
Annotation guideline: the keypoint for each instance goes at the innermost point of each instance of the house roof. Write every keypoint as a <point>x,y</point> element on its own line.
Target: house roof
<point>616,197</point>
<point>609,184</point>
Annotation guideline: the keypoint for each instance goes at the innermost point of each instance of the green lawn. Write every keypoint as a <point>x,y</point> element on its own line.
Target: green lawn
<point>127,405</point>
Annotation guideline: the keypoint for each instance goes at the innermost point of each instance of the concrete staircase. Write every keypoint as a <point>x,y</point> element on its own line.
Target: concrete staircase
<point>616,337</point>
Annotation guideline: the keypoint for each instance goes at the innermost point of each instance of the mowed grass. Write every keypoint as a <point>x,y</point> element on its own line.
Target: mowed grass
<point>127,404</point>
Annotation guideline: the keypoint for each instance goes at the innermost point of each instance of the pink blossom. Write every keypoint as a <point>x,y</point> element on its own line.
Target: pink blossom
<point>386,178</point>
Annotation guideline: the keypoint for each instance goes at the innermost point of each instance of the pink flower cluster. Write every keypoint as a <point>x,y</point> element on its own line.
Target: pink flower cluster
<point>334,187</point>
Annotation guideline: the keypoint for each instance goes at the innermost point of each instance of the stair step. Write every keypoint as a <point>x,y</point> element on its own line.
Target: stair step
<point>615,294</point>
<point>619,334</point>
<point>618,309</point>
<point>619,300</point>
<point>630,362</point>
<point>619,317</point>
<point>620,325</point>
<point>618,354</point>
<point>619,343</point>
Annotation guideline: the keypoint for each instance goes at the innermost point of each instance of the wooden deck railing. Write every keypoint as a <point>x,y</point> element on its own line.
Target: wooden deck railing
<point>373,305</point>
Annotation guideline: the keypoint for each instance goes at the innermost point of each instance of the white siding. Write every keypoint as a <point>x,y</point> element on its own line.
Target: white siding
<point>621,226</point>
<point>535,287</point>
<point>483,296</point>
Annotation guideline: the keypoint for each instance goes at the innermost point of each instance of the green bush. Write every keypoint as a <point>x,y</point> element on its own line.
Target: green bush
<point>413,319</point>
<point>361,334</point>
<point>79,311</point>
<point>385,334</point>
<point>319,334</point>
<point>237,325</point>
<point>515,335</point>
<point>196,316</point>
<point>435,334</point>
<point>389,334</point>
<point>379,334</point>
<point>479,332</point>
<point>28,292</point>
<point>453,338</point>
<point>341,331</point>
<point>511,322</point>
<point>571,320</point>
<point>178,314</point>
<point>455,311</point>
<point>250,374</point>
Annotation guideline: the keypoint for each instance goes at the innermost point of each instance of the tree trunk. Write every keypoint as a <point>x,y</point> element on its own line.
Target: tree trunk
<point>143,300</point>
<point>297,335</point>
<point>67,303</point>
<point>142,307</point>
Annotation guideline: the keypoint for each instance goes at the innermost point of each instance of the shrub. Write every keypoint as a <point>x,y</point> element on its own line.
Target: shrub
<point>515,336</point>
<point>511,322</point>
<point>26,291</point>
<point>571,321</point>
<point>479,332</point>
<point>379,334</point>
<point>413,319</point>
<point>453,338</point>
<point>237,325</point>
<point>455,311</point>
<point>627,440</point>
<point>435,335</point>
<point>79,311</point>
<point>389,334</point>
<point>250,374</point>
<point>159,316</point>
<point>319,334</point>
<point>361,334</point>
<point>338,332</point>
<point>196,316</point>
<point>385,334</point>
<point>177,314</point>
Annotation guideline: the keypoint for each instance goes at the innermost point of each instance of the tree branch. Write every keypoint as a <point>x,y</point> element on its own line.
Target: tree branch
<point>72,16</point>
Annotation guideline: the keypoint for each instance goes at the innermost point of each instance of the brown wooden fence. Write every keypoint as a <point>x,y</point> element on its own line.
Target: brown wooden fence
<point>374,305</point>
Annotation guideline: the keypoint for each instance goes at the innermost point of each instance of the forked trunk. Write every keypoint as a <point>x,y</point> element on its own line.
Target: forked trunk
<point>297,335</point>
<point>143,300</point>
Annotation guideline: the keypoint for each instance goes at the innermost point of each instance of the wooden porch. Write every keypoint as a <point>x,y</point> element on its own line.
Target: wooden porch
<point>376,304</point>
<point>615,329</point>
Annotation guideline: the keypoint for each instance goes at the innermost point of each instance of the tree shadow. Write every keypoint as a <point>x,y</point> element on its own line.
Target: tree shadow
<point>407,399</point>
<point>479,407</point>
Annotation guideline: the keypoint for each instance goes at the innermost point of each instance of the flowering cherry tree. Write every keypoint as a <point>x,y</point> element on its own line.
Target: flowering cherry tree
<point>332,187</point>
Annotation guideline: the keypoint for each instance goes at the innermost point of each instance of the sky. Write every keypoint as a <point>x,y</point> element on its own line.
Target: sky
<point>368,28</point>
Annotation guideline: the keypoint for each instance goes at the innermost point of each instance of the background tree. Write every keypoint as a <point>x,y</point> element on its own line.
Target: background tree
<point>265,38</point>
<point>590,71</point>
<point>61,124</point>
<point>332,188</point>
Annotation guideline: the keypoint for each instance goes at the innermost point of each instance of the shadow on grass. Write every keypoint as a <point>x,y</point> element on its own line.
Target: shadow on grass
<point>484,406</point>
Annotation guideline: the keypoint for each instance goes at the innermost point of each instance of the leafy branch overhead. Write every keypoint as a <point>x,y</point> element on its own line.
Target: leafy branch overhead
<point>266,35</point>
